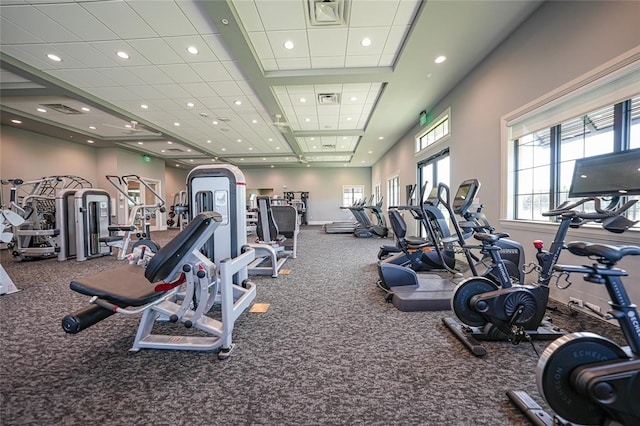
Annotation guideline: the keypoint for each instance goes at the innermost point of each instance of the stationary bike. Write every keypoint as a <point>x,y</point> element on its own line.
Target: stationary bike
<point>516,312</point>
<point>586,378</point>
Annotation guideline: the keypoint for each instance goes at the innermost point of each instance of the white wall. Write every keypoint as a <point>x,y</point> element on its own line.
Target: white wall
<point>323,184</point>
<point>560,42</point>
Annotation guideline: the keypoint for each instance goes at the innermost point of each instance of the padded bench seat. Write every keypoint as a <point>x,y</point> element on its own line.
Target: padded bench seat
<point>124,286</point>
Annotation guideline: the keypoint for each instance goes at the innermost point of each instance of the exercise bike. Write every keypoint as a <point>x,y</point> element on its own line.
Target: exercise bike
<point>504,311</point>
<point>586,378</point>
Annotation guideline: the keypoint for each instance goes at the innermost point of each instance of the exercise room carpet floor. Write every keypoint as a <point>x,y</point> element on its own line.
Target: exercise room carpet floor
<point>328,351</point>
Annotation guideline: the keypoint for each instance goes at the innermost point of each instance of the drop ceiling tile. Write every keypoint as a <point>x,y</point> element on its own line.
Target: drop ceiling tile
<point>110,48</point>
<point>351,109</point>
<point>261,45</point>
<point>386,60</point>
<point>327,62</point>
<point>113,94</point>
<point>198,90</point>
<point>282,15</point>
<point>328,88</point>
<point>248,14</point>
<point>180,73</point>
<point>77,20</point>
<point>277,40</point>
<point>327,42</point>
<point>11,33</point>
<point>36,22</point>
<point>87,55</point>
<point>212,102</point>
<point>121,76</point>
<point>269,64</point>
<point>226,88</point>
<point>211,71</point>
<point>156,51</point>
<point>362,61</point>
<point>180,45</point>
<point>218,47</point>
<point>395,39</point>
<point>234,71</point>
<point>165,17</point>
<point>150,74</point>
<point>328,110</point>
<point>378,36</point>
<point>173,91</point>
<point>372,13</point>
<point>146,93</point>
<point>294,63</point>
<point>121,19</point>
<point>406,12</point>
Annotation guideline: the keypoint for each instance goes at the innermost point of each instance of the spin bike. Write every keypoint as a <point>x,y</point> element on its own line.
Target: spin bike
<point>586,378</point>
<point>492,311</point>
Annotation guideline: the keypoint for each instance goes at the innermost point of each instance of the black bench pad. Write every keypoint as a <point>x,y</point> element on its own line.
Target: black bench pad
<point>124,286</point>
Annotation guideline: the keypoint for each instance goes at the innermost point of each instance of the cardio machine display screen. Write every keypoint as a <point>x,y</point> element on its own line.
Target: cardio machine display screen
<point>609,174</point>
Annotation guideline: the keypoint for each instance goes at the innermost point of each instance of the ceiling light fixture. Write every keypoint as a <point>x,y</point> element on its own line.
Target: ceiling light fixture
<point>380,138</point>
<point>238,140</point>
<point>193,50</point>
<point>55,58</point>
<point>42,110</point>
<point>169,143</point>
<point>353,99</point>
<point>16,121</point>
<point>188,150</point>
<point>176,124</point>
<point>440,59</point>
<point>128,126</point>
<point>254,121</point>
<point>163,150</point>
<point>85,109</point>
<point>307,120</point>
<point>190,104</point>
<point>143,106</point>
<point>288,45</point>
<point>122,54</point>
<point>303,100</point>
<point>89,141</point>
<point>277,147</point>
<point>140,143</point>
<point>224,149</point>
<point>215,123</point>
<point>366,42</point>
<point>208,140</point>
<point>270,139</point>
<point>237,102</point>
<point>92,127</point>
<point>250,148</point>
<point>272,166</point>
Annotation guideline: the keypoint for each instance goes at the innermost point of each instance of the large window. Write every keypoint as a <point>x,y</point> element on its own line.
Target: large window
<point>378,193</point>
<point>393,191</point>
<point>351,194</point>
<point>544,160</point>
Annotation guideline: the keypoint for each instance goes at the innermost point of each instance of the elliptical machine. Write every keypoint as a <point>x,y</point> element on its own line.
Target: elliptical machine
<point>586,378</point>
<point>516,312</point>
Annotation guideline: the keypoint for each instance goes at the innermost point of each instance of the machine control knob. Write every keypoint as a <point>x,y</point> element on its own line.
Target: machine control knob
<point>604,392</point>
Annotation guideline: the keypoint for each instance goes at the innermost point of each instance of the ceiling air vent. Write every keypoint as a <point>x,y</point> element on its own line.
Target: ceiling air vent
<point>328,99</point>
<point>328,147</point>
<point>175,150</point>
<point>324,13</point>
<point>62,108</point>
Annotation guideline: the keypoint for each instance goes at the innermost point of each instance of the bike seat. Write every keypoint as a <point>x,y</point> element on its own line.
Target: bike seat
<point>489,238</point>
<point>607,253</point>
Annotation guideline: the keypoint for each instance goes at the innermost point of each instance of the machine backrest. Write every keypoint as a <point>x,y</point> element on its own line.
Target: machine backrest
<point>170,257</point>
<point>286,218</point>
<point>398,224</point>
<point>267,228</point>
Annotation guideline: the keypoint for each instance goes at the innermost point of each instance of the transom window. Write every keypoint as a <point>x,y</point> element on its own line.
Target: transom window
<point>437,131</point>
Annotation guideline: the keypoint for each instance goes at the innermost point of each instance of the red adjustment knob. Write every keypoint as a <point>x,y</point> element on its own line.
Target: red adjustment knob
<point>538,244</point>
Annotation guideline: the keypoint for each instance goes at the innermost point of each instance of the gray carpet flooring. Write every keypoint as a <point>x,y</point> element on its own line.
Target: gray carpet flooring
<point>329,351</point>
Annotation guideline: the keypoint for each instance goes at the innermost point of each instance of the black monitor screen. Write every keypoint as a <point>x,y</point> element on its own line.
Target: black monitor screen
<point>609,174</point>
<point>465,194</point>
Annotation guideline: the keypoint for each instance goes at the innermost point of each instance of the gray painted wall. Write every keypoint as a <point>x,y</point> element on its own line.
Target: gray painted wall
<point>559,43</point>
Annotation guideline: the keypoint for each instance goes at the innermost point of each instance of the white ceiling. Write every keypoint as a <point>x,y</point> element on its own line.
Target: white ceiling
<point>341,103</point>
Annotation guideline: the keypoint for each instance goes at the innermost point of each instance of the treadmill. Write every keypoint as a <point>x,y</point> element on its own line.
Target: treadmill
<point>410,291</point>
<point>362,220</point>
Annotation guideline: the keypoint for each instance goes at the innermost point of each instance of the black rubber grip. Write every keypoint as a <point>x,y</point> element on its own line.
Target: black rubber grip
<point>84,318</point>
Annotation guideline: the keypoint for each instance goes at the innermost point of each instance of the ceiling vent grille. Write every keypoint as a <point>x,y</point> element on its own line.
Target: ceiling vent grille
<point>175,150</point>
<point>323,13</point>
<point>62,108</point>
<point>328,147</point>
<point>328,99</point>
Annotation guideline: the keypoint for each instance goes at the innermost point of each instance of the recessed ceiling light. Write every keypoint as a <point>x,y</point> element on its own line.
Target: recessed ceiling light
<point>264,158</point>
<point>365,42</point>
<point>349,118</point>
<point>272,166</point>
<point>89,141</point>
<point>380,137</point>
<point>254,121</point>
<point>238,140</point>
<point>191,160</point>
<point>370,152</point>
<point>307,120</point>
<point>143,106</point>
<point>313,139</point>
<point>353,99</point>
<point>362,161</point>
<point>122,54</point>
<point>140,143</point>
<point>215,123</point>
<point>169,142</point>
<point>128,126</point>
<point>42,110</point>
<point>237,102</point>
<point>208,140</point>
<point>55,58</point>
<point>308,165</point>
<point>277,147</point>
<point>250,148</point>
<point>177,165</point>
<point>188,150</point>
<point>193,50</point>
<point>314,147</point>
<point>440,59</point>
<point>85,109</point>
<point>190,104</point>
<point>16,121</point>
<point>242,159</point>
<point>92,127</point>
<point>288,45</point>
<point>224,149</point>
<point>163,150</point>
<point>176,124</point>
<point>303,100</point>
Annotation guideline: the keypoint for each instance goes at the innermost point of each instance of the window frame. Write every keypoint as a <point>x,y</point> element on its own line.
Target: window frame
<point>445,116</point>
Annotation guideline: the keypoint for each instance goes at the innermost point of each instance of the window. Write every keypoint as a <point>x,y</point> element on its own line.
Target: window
<point>393,191</point>
<point>434,170</point>
<point>544,160</point>
<point>351,194</point>
<point>434,133</point>
<point>378,193</point>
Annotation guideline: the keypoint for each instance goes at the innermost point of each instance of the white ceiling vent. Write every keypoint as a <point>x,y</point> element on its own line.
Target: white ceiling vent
<point>328,99</point>
<point>328,147</point>
<point>324,13</point>
<point>175,150</point>
<point>62,108</point>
